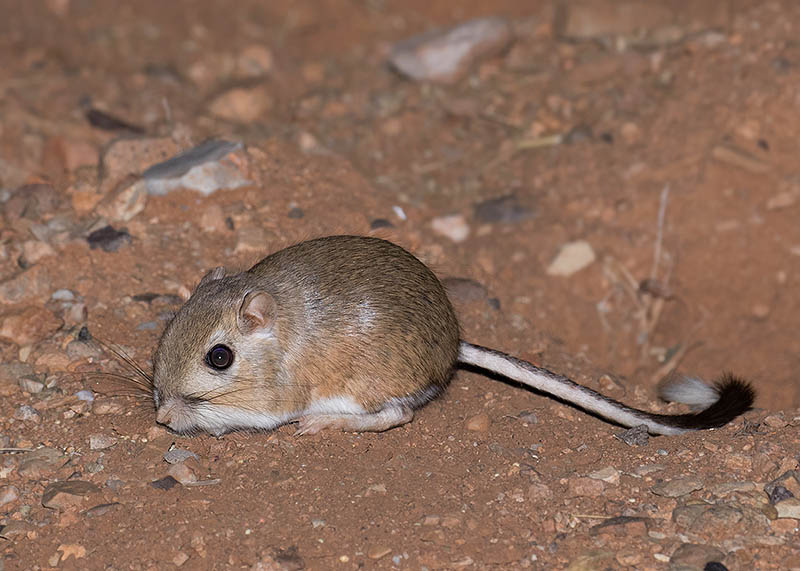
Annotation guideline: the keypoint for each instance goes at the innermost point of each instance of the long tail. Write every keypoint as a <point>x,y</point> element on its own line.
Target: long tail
<point>729,397</point>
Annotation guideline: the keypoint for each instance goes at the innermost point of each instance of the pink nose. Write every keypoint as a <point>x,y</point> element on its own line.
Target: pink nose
<point>165,412</point>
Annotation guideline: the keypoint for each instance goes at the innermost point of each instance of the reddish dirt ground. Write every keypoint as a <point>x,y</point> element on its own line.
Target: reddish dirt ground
<point>589,137</point>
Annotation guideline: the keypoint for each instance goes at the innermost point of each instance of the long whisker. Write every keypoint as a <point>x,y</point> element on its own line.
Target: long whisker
<point>130,380</point>
<point>122,356</point>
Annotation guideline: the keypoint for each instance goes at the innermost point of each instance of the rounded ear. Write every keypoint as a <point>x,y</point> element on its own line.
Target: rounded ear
<point>257,313</point>
<point>215,274</point>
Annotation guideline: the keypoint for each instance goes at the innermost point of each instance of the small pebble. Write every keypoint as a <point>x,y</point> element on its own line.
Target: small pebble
<point>243,104</point>
<point>454,227</point>
<point>379,223</point>
<point>609,474</point>
<point>101,441</point>
<point>573,257</point>
<point>62,295</point>
<point>585,487</point>
<point>528,417</point>
<point>165,483</point>
<point>775,421</point>
<point>182,473</point>
<point>464,289</point>
<point>27,412</point>
<point>478,423</point>
<point>63,495</point>
<point>8,494</point>
<point>85,395</point>
<point>177,455</point>
<point>778,494</point>
<point>378,551</point>
<point>636,436</point>
<point>180,558</point>
<point>446,56</point>
<point>31,384</point>
<point>505,210</point>
<point>108,239</point>
<point>677,487</point>
<point>107,407</point>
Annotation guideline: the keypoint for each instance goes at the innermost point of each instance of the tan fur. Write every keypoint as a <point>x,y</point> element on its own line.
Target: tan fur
<point>354,317</point>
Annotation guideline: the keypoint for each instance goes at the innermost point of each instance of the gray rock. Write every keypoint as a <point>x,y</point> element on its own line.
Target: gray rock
<point>205,168</point>
<point>789,508</point>
<point>677,487</point>
<point>62,495</point>
<point>571,258</point>
<point>108,238</point>
<point>505,210</point>
<point>101,441</point>
<point>177,455</point>
<point>27,412</point>
<point>8,494</point>
<point>62,295</point>
<point>464,289</point>
<point>695,556</point>
<point>447,55</point>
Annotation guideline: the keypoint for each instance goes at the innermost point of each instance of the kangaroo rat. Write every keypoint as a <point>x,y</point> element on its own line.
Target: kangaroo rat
<point>353,333</point>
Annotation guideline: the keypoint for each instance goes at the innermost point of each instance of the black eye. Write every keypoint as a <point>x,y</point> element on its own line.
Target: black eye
<point>220,357</point>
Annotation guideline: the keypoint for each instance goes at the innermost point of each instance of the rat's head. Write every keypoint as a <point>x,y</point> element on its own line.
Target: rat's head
<point>214,357</point>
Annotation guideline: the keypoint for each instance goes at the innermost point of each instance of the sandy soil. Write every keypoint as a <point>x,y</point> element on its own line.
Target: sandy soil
<point>670,148</point>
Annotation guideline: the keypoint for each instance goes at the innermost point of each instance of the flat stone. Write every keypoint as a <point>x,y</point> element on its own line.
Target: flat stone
<point>464,289</point>
<point>539,493</point>
<point>182,473</point>
<point>165,483</point>
<point>378,551</point>
<point>102,408</point>
<point>177,455</point>
<point>504,210</point>
<point>662,22</point>
<point>622,526</point>
<point>109,239</point>
<point>739,158</point>
<point>453,226</point>
<point>8,494</point>
<point>27,412</point>
<point>677,487</point>
<point>15,530</point>
<point>101,441</point>
<point>789,508</point>
<point>31,325</point>
<point>31,384</point>
<point>693,556</point>
<point>35,250</point>
<point>446,56</point>
<point>585,487</point>
<point>609,474</point>
<point>33,284</point>
<point>206,168</point>
<point>63,495</point>
<point>478,423</point>
<point>573,257</point>
<point>243,104</point>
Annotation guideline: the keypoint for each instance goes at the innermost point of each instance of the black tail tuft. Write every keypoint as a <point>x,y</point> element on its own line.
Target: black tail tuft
<point>736,396</point>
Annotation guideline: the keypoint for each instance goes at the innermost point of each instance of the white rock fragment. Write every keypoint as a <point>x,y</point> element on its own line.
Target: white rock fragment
<point>206,168</point>
<point>101,441</point>
<point>609,474</point>
<point>573,257</point>
<point>177,455</point>
<point>453,226</point>
<point>447,55</point>
<point>789,508</point>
